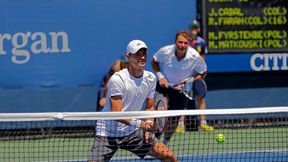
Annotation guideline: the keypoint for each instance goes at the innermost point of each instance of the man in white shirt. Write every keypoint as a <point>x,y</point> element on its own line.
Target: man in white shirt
<point>128,89</point>
<point>173,64</point>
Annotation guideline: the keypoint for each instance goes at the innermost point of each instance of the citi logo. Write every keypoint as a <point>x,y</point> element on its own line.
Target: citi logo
<point>269,62</point>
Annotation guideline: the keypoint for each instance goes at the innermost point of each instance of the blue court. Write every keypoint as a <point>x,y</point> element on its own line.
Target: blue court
<point>267,156</point>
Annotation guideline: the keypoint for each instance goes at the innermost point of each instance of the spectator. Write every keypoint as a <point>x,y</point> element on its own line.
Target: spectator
<point>118,65</point>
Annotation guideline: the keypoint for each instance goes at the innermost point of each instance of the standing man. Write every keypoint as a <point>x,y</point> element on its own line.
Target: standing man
<point>128,89</point>
<point>199,45</point>
<point>173,64</point>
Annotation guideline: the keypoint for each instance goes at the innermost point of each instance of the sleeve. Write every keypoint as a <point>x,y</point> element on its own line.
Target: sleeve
<point>152,86</point>
<point>159,56</point>
<point>201,66</point>
<point>116,85</point>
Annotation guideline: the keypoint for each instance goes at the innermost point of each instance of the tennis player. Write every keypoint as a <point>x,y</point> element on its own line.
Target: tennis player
<point>173,64</point>
<point>118,65</point>
<point>128,89</point>
<point>199,44</point>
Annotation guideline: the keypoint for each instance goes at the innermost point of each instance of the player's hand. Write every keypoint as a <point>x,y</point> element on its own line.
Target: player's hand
<point>182,83</point>
<point>147,126</point>
<point>179,86</point>
<point>163,82</point>
<point>149,137</point>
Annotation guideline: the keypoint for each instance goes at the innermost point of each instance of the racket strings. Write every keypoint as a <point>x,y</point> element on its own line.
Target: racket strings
<point>159,123</point>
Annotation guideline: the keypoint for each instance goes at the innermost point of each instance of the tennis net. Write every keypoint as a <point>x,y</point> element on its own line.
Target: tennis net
<point>250,134</point>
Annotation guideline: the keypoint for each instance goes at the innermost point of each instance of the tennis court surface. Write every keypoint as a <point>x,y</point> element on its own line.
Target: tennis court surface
<point>252,134</point>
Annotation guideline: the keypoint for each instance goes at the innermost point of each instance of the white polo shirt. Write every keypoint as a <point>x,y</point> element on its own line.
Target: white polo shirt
<point>134,92</point>
<point>174,70</point>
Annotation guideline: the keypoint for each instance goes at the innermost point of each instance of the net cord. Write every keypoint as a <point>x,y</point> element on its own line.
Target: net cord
<point>52,116</point>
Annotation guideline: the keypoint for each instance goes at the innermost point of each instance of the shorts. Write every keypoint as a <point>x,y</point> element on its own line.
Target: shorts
<point>104,147</point>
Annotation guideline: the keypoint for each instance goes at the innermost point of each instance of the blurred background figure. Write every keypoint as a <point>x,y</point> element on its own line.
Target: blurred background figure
<point>197,42</point>
<point>118,65</point>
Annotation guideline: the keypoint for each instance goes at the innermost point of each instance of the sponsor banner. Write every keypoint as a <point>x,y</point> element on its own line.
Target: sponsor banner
<point>247,62</point>
<point>68,42</point>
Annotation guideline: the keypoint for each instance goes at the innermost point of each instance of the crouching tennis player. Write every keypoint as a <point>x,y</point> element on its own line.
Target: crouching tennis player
<point>128,90</point>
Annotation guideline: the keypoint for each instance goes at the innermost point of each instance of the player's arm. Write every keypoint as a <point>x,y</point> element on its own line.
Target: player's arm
<point>116,106</point>
<point>162,80</point>
<point>200,76</point>
<point>116,86</point>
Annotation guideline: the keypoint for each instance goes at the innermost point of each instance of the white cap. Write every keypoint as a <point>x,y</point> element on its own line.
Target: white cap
<point>135,45</point>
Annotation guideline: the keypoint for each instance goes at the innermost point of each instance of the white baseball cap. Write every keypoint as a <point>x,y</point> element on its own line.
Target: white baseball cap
<point>135,45</point>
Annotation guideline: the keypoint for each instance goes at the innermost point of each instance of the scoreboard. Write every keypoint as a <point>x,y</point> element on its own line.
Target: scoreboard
<point>245,26</point>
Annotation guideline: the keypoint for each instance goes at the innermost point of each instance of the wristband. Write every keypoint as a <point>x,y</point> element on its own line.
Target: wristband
<point>136,122</point>
<point>159,75</point>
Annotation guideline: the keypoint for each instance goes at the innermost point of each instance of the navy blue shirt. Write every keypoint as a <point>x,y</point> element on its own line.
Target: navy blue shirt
<point>200,45</point>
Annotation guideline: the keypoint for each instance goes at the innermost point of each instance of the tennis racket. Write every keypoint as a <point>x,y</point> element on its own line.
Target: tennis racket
<point>159,122</point>
<point>193,88</point>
